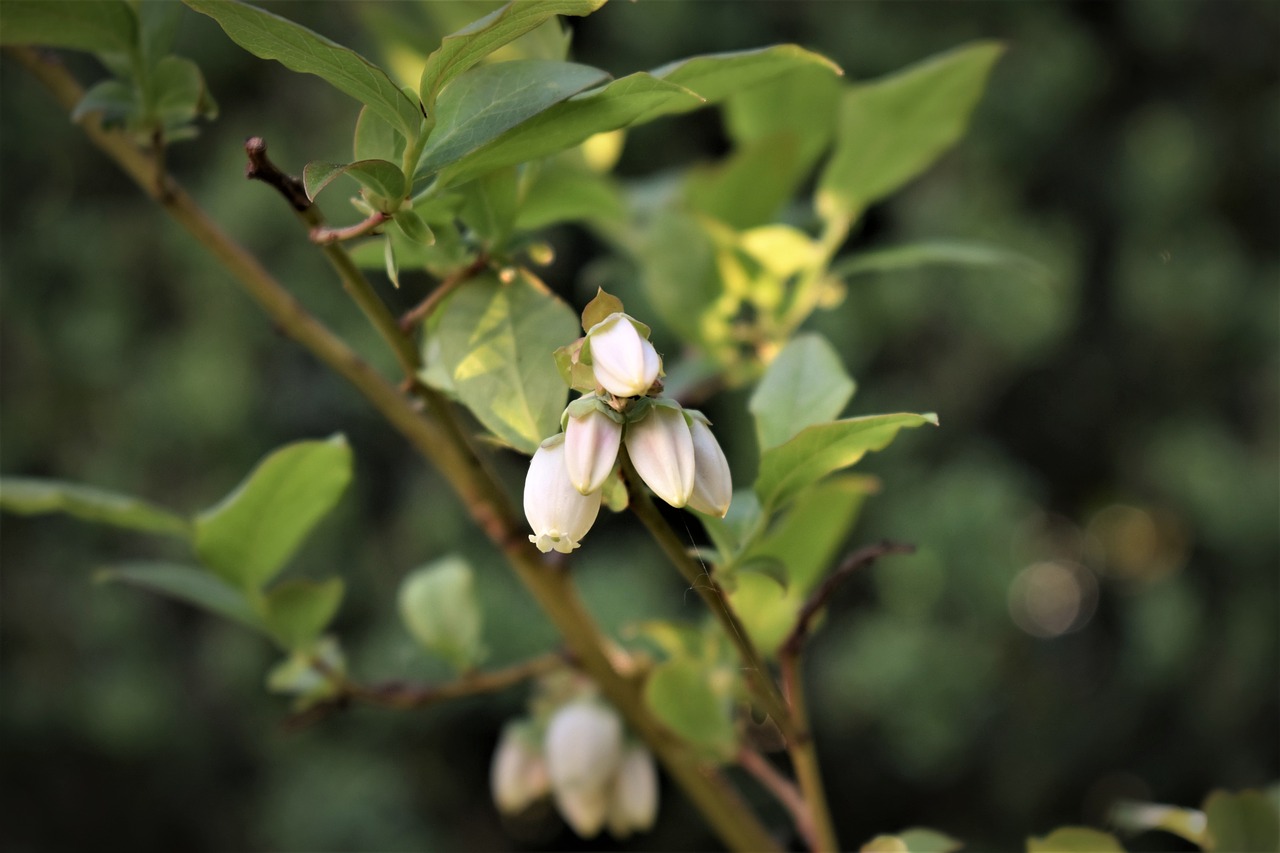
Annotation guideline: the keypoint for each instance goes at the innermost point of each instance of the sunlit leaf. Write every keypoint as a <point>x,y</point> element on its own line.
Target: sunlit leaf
<point>913,841</point>
<point>716,76</point>
<point>248,537</point>
<point>298,611</point>
<point>31,496</point>
<point>804,385</point>
<point>185,583</point>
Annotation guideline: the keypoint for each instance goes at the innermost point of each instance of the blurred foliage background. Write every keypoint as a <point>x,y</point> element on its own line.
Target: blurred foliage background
<point>1093,610</point>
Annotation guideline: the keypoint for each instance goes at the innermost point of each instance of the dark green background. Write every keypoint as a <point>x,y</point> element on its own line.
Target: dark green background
<point>1129,147</point>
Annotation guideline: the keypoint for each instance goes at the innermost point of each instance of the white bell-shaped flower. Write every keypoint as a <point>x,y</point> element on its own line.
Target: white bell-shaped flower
<point>591,441</point>
<point>624,362</point>
<point>518,776</point>
<point>661,449</point>
<point>583,749</point>
<point>633,805</point>
<point>712,482</point>
<point>559,514</point>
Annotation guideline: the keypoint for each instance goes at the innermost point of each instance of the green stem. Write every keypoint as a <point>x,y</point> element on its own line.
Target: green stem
<point>804,758</point>
<point>444,447</point>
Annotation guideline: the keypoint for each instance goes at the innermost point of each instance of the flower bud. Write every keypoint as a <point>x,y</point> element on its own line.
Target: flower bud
<point>661,449</point>
<point>558,513</point>
<point>518,776</point>
<point>590,445</point>
<point>712,482</point>
<point>624,362</point>
<point>634,803</point>
<point>583,747</point>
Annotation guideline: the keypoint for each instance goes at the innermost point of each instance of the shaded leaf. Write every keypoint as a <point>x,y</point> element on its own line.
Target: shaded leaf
<point>892,129</point>
<point>376,139</point>
<point>681,695</point>
<point>821,449</point>
<point>185,583</point>
<point>378,176</point>
<point>939,253</point>
<point>32,496</point>
<point>116,101</point>
<point>298,611</point>
<point>1075,839</point>
<point>438,605</point>
<point>299,49</point>
<point>248,537</point>
<point>562,193</point>
<point>804,385</point>
<point>93,25</point>
<point>413,227</point>
<point>1244,822</point>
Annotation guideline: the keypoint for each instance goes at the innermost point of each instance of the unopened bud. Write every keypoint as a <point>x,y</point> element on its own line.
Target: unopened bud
<point>634,804</point>
<point>518,776</point>
<point>712,482</point>
<point>624,362</point>
<point>661,449</point>
<point>558,513</point>
<point>591,439</point>
<point>583,748</point>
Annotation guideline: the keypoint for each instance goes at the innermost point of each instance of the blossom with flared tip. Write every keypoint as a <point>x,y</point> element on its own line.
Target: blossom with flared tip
<point>633,805</point>
<point>583,749</point>
<point>591,440</point>
<point>518,776</point>
<point>712,482</point>
<point>559,514</point>
<point>624,362</point>
<point>661,449</point>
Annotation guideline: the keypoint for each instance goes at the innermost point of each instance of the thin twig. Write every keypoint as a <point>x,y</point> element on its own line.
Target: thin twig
<point>424,309</point>
<point>260,168</point>
<point>783,790</point>
<point>326,236</point>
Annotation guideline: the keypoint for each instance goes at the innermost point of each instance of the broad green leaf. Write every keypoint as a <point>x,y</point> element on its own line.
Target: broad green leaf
<point>185,583</point>
<point>157,28</point>
<point>681,694</point>
<point>913,841</point>
<point>767,610</point>
<point>299,49</point>
<point>296,612</point>
<point>562,193</point>
<point>413,227</point>
<point>497,342</point>
<point>486,102</point>
<point>116,101</point>
<point>180,93</point>
<point>892,129</point>
<point>31,496</point>
<point>376,139</point>
<point>750,186</point>
<point>678,267</point>
<point>569,123</point>
<point>438,605</point>
<point>489,206</point>
<point>248,537</point>
<point>716,76</point>
<point>1139,817</point>
<point>1243,822</point>
<point>939,253</point>
<point>802,104</point>
<point>804,385</point>
<point>471,44</point>
<point>93,25</point>
<point>821,449</point>
<point>378,176</point>
<point>1075,839</point>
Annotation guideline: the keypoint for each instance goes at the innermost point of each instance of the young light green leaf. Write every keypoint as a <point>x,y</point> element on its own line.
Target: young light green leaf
<point>378,176</point>
<point>299,49</point>
<point>681,695</point>
<point>376,139</point>
<point>892,129</point>
<point>297,611</point>
<point>821,449</point>
<point>391,260</point>
<point>438,605</point>
<point>185,583</point>
<point>802,104</point>
<point>1075,839</point>
<point>960,253</point>
<point>1242,822</point>
<point>488,101</point>
<point>247,538</point>
<point>413,227</point>
<point>716,76</point>
<point>748,187</point>
<point>471,44</point>
<point>93,25</point>
<point>497,342</point>
<point>32,496</point>
<point>913,841</point>
<point>568,123</point>
<point>804,385</point>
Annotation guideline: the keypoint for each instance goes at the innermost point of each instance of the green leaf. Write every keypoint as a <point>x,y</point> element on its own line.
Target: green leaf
<point>116,101</point>
<point>180,94</point>
<point>248,537</point>
<point>601,306</point>
<point>471,44</point>
<point>678,264</point>
<point>1139,817</point>
<point>716,76</point>
<point>804,385</point>
<point>438,605</point>
<point>802,104</point>
<point>1244,822</point>
<point>562,193</point>
<point>961,253</point>
<point>185,583</point>
<point>378,176</point>
<point>488,101</point>
<point>913,841</point>
<point>299,49</point>
<point>750,186</point>
<point>1075,839</point>
<point>681,695</point>
<point>568,123</point>
<point>93,25</point>
<point>31,496</point>
<point>497,342</point>
<point>894,128</point>
<point>375,139</point>
<point>390,260</point>
<point>413,227</point>
<point>311,675</point>
<point>819,450</point>
<point>489,206</point>
<point>298,611</point>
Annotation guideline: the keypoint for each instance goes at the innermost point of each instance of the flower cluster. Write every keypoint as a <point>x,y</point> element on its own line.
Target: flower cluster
<point>595,778</point>
<point>671,448</point>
